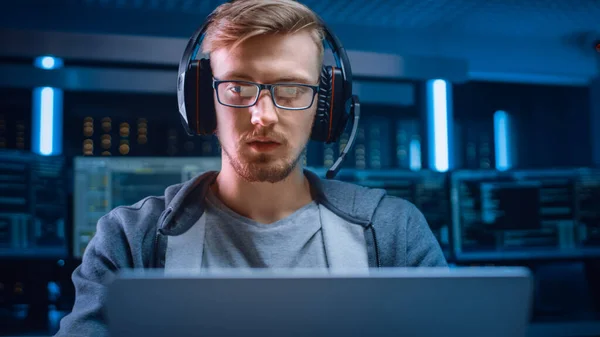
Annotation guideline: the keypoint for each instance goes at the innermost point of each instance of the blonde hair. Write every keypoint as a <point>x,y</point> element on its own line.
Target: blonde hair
<point>234,22</point>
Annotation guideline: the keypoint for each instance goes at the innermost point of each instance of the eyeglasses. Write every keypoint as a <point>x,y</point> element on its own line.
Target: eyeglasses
<point>243,94</point>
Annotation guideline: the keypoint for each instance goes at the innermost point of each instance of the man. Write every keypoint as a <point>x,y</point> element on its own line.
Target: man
<point>262,210</point>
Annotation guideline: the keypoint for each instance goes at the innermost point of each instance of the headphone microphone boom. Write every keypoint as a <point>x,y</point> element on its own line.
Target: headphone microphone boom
<point>335,107</point>
<point>337,165</point>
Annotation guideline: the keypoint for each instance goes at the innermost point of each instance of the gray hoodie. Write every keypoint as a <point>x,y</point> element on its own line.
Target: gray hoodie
<point>393,233</point>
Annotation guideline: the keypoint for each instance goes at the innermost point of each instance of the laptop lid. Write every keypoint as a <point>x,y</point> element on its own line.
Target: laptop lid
<point>416,302</point>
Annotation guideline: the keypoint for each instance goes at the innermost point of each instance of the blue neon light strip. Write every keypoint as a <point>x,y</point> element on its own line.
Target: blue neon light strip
<point>438,128</point>
<point>46,121</point>
<point>414,151</point>
<point>47,113</point>
<point>501,140</point>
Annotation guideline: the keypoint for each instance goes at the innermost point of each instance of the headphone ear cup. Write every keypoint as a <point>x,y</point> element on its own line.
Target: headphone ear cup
<point>320,128</point>
<point>208,114</point>
<point>199,98</point>
<point>331,116</point>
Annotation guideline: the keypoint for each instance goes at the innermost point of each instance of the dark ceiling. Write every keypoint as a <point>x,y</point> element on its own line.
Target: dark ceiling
<point>558,19</point>
<point>500,39</point>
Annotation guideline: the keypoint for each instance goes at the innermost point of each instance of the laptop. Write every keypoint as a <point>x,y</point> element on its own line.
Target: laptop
<point>410,302</point>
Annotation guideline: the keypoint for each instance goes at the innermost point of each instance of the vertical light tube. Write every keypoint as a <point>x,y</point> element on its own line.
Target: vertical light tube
<point>414,151</point>
<point>438,118</point>
<point>47,113</point>
<point>46,121</point>
<point>502,140</point>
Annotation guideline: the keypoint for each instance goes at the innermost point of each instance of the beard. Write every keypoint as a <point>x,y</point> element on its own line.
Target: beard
<point>262,167</point>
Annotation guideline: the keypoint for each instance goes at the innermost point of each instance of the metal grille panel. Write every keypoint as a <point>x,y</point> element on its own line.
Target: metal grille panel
<point>532,18</point>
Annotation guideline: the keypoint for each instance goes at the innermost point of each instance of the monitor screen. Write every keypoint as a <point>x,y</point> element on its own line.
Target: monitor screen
<point>33,205</point>
<point>588,208</point>
<point>522,214</point>
<point>427,190</point>
<point>103,183</point>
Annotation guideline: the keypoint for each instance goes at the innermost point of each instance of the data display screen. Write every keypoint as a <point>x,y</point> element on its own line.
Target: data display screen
<point>102,184</point>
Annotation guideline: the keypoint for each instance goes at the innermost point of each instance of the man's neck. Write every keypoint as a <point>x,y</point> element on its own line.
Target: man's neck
<point>263,202</point>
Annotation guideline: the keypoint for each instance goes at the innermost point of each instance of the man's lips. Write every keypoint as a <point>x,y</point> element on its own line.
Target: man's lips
<point>263,140</point>
<point>263,144</point>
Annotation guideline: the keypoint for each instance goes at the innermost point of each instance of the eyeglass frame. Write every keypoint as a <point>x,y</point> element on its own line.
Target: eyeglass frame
<point>315,88</point>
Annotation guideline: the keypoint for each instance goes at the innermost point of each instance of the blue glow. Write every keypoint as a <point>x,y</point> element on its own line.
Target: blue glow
<point>501,140</point>
<point>533,78</point>
<point>48,62</point>
<point>47,112</point>
<point>415,155</point>
<point>47,121</point>
<point>438,128</point>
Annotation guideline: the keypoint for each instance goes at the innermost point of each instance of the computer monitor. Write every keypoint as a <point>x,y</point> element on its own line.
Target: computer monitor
<point>588,208</point>
<point>33,205</point>
<point>428,190</point>
<point>103,183</point>
<point>523,214</point>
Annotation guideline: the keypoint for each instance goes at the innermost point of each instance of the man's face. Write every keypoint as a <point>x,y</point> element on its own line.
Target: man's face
<point>264,143</point>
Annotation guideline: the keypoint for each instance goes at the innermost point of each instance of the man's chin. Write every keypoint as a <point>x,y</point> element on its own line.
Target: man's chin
<point>260,159</point>
<point>265,169</point>
<point>266,173</point>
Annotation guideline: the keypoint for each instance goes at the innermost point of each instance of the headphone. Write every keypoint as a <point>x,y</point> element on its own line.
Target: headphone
<point>335,106</point>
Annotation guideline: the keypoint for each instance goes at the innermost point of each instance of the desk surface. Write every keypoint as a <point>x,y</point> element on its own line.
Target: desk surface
<point>563,329</point>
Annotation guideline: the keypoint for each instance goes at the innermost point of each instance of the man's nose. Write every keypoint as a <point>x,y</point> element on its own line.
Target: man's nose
<point>264,112</point>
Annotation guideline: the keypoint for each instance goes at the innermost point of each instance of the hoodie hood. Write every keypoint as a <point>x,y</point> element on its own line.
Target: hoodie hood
<point>184,202</point>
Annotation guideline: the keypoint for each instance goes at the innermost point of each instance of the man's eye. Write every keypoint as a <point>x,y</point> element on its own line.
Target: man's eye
<point>236,89</point>
<point>243,90</point>
<point>289,91</point>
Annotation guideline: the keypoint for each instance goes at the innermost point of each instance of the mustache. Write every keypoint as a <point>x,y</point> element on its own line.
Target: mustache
<point>263,133</point>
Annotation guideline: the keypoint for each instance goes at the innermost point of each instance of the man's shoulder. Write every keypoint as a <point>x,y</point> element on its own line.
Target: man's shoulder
<point>127,233</point>
<point>405,238</point>
<point>149,206</point>
<point>400,229</point>
<point>351,199</point>
<point>129,228</point>
<point>136,220</point>
<point>145,213</point>
<point>396,208</point>
<point>369,203</point>
<point>398,217</point>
